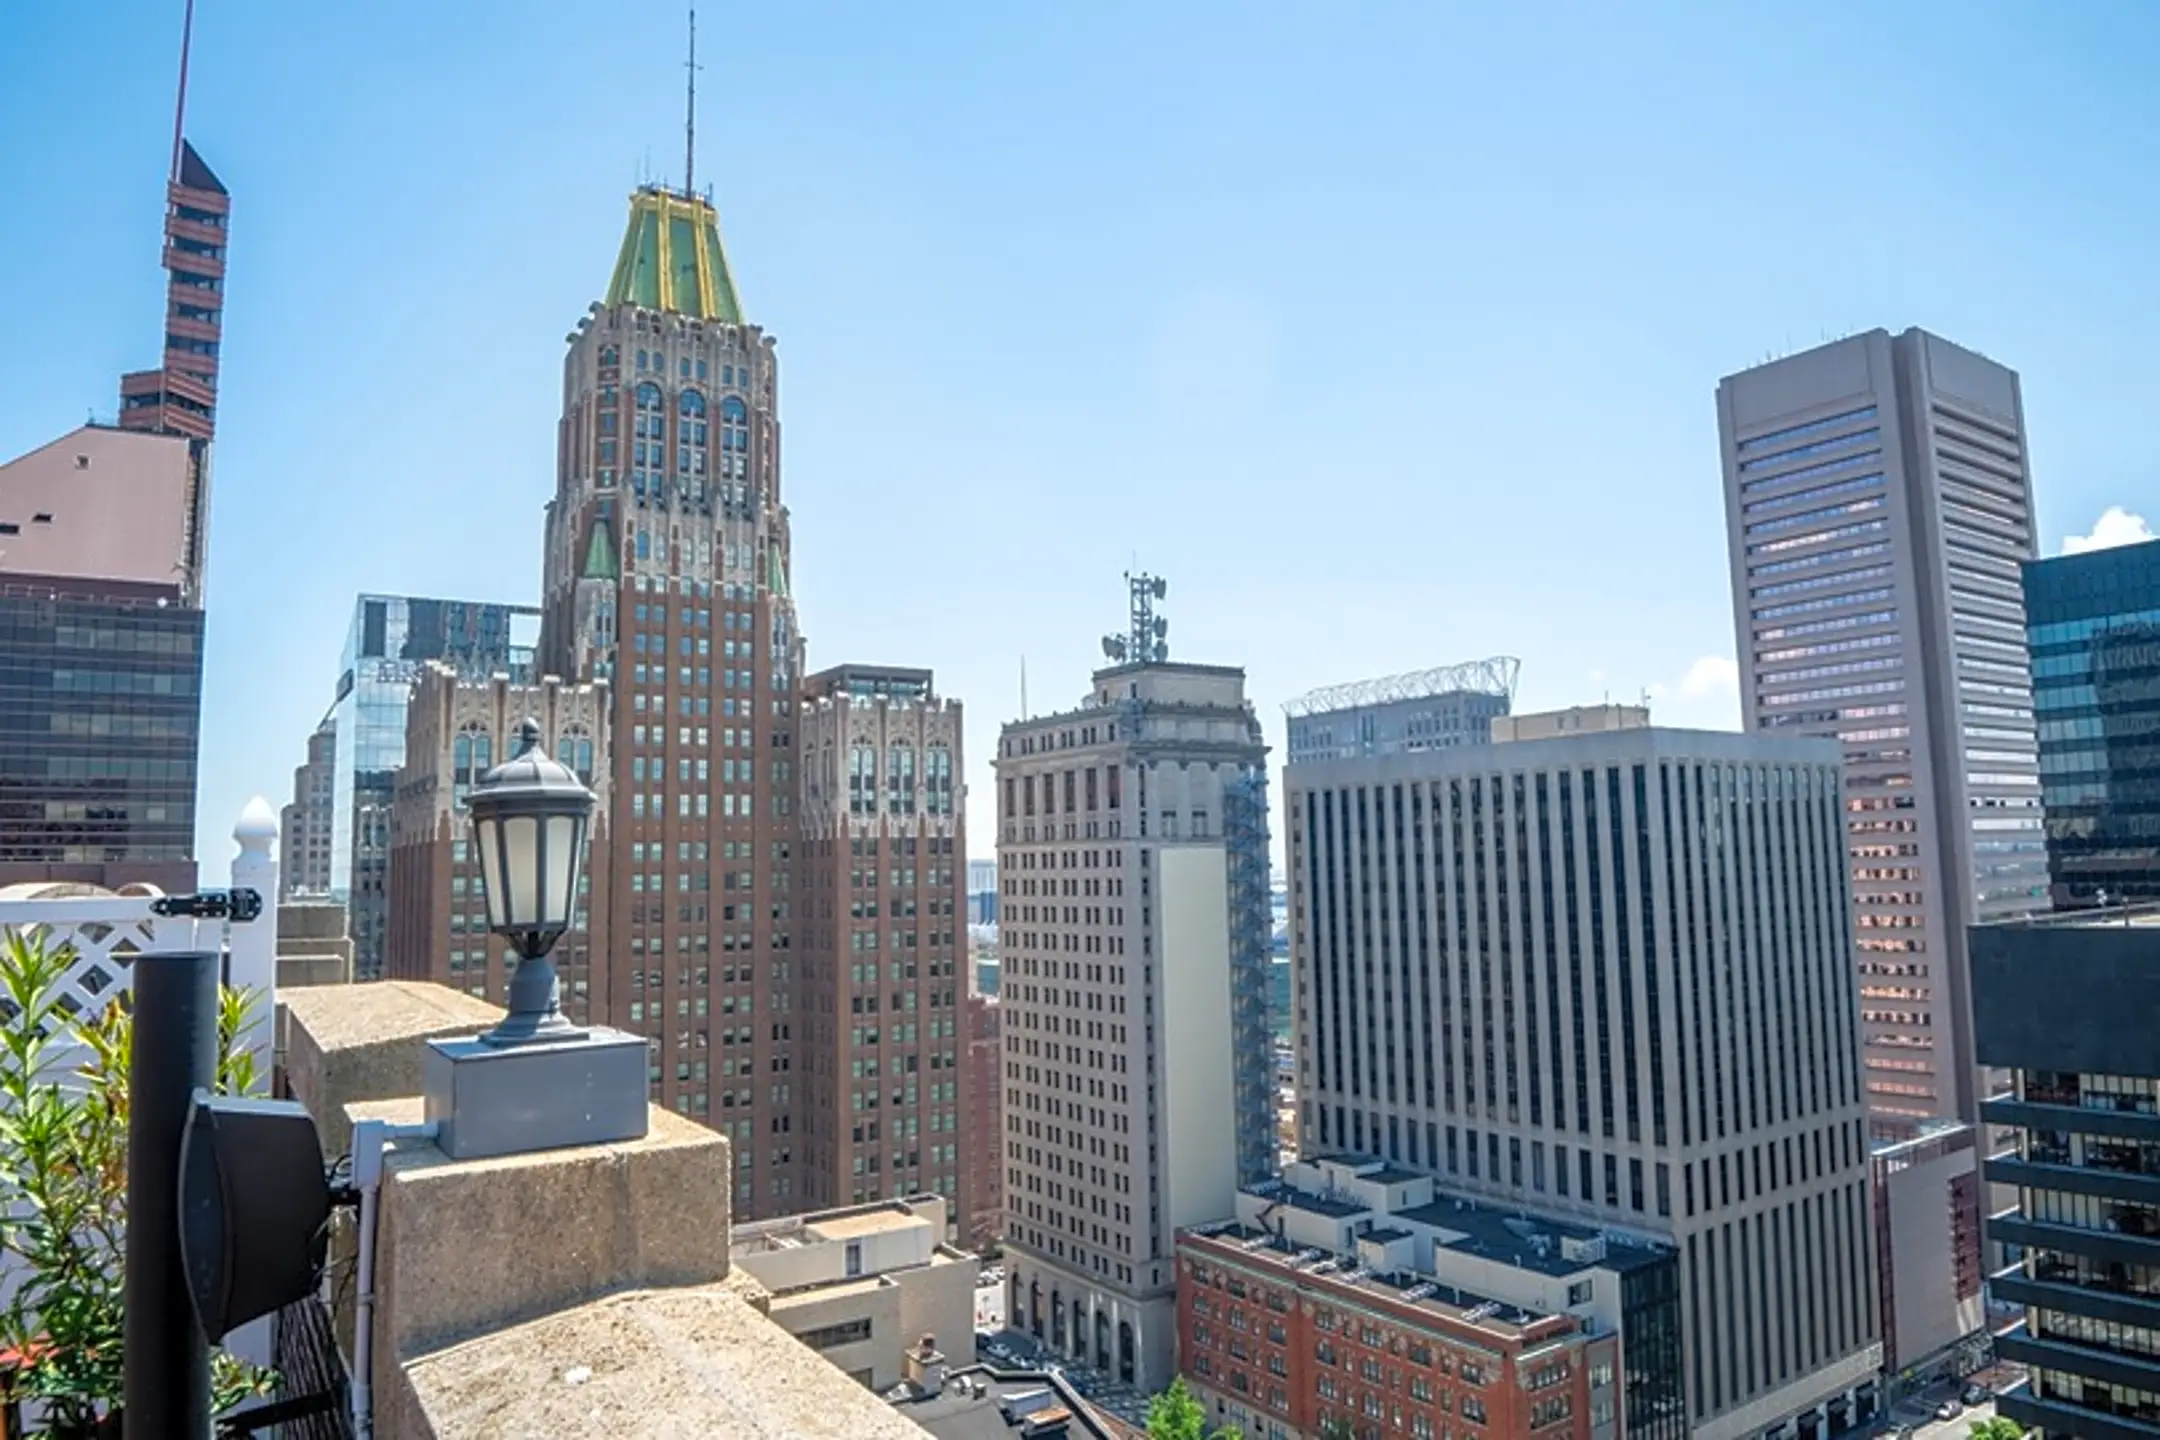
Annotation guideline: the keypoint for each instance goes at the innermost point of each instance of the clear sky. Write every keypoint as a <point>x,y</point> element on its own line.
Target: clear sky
<point>1388,332</point>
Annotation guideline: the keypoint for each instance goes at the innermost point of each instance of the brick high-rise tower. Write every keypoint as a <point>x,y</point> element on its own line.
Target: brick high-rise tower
<point>882,1097</point>
<point>667,575</point>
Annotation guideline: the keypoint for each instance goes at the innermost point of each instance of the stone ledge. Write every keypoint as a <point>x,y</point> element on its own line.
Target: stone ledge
<point>662,1364</point>
<point>347,1043</point>
<point>467,1246</point>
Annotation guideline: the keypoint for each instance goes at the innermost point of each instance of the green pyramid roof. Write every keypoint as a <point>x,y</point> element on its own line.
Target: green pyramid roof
<point>672,259</point>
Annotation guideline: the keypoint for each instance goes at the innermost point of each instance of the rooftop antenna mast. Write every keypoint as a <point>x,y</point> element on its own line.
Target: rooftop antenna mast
<point>689,164</point>
<point>1145,642</point>
<point>187,36</point>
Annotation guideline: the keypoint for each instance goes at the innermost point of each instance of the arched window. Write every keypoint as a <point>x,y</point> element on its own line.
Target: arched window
<point>471,756</point>
<point>576,751</point>
<point>734,449</point>
<point>900,780</point>
<point>938,779</point>
<point>690,447</point>
<point>862,779</point>
<point>610,358</point>
<point>648,453</point>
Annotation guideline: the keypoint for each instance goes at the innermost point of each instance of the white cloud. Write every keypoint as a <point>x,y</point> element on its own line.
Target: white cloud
<point>2116,527</point>
<point>1711,677</point>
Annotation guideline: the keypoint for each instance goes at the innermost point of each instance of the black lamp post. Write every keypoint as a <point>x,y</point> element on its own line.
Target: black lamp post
<point>529,818</point>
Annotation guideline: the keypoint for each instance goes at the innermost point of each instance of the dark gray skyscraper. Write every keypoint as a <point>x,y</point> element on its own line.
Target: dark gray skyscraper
<point>1878,502</point>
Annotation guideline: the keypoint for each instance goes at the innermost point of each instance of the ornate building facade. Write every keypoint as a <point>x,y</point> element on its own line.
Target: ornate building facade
<point>882,864</point>
<point>667,576</point>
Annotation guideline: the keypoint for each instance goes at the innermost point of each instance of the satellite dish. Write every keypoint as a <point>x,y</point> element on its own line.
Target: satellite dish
<point>1162,588</point>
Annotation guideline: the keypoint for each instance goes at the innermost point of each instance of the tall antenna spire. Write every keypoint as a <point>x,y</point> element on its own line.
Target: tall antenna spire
<point>187,36</point>
<point>689,164</point>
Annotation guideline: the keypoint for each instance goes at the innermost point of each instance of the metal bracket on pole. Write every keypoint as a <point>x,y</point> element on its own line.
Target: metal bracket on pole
<point>240,906</point>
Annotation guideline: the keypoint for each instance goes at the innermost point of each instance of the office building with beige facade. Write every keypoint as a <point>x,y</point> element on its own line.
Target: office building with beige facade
<point>1605,975</point>
<point>1878,502</point>
<point>865,1285</point>
<point>1133,918</point>
<point>304,821</point>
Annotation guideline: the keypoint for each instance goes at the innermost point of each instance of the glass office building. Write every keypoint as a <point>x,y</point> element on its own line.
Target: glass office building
<point>391,638</point>
<point>2093,621</point>
<point>100,709</point>
<point>2065,1004</point>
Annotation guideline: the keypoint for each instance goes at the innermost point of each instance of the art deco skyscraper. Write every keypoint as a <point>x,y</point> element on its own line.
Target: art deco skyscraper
<point>666,574</point>
<point>1878,502</point>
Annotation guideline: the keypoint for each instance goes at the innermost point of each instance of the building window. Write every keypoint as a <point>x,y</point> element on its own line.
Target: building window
<point>900,780</point>
<point>471,756</point>
<point>828,1337</point>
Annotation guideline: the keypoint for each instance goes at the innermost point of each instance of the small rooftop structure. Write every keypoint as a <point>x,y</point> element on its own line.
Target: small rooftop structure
<point>98,504</point>
<point>1575,720</point>
<point>1496,676</point>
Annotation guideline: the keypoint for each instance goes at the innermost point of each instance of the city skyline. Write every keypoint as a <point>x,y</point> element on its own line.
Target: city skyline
<point>831,205</point>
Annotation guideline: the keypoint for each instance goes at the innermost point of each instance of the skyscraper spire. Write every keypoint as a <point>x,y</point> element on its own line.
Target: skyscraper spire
<point>689,164</point>
<point>187,35</point>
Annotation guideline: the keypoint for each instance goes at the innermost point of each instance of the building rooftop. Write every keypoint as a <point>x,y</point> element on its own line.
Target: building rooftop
<point>1317,1204</point>
<point>971,1413</point>
<point>2110,917</point>
<point>672,258</point>
<point>1496,676</point>
<point>98,504</point>
<point>869,682</point>
<point>1537,1243</point>
<point>1264,1250</point>
<point>1575,720</point>
<point>874,1222</point>
<point>1574,747</point>
<point>1392,1175</point>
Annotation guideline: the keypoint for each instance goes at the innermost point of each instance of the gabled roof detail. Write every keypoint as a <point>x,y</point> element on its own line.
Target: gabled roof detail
<point>600,552</point>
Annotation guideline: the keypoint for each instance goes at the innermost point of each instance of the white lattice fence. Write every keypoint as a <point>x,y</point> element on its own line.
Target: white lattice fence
<point>106,934</point>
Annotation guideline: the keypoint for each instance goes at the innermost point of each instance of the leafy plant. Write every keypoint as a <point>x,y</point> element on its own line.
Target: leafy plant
<point>63,1184</point>
<point>1995,1427</point>
<point>1175,1414</point>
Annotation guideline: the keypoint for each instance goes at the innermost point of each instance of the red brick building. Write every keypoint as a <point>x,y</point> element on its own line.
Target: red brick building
<point>1277,1340</point>
<point>982,1181</point>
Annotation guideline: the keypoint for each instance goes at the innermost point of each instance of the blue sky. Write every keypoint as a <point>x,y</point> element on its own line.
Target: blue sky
<point>1389,332</point>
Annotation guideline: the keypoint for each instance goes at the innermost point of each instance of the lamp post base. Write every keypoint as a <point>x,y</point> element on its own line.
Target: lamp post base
<point>585,1088</point>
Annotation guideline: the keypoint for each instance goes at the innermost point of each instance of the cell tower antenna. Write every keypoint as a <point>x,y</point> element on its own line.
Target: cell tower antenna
<point>179,119</point>
<point>1144,643</point>
<point>689,164</point>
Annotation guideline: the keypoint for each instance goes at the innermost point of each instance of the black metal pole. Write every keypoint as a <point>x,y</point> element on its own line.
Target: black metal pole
<point>167,1389</point>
